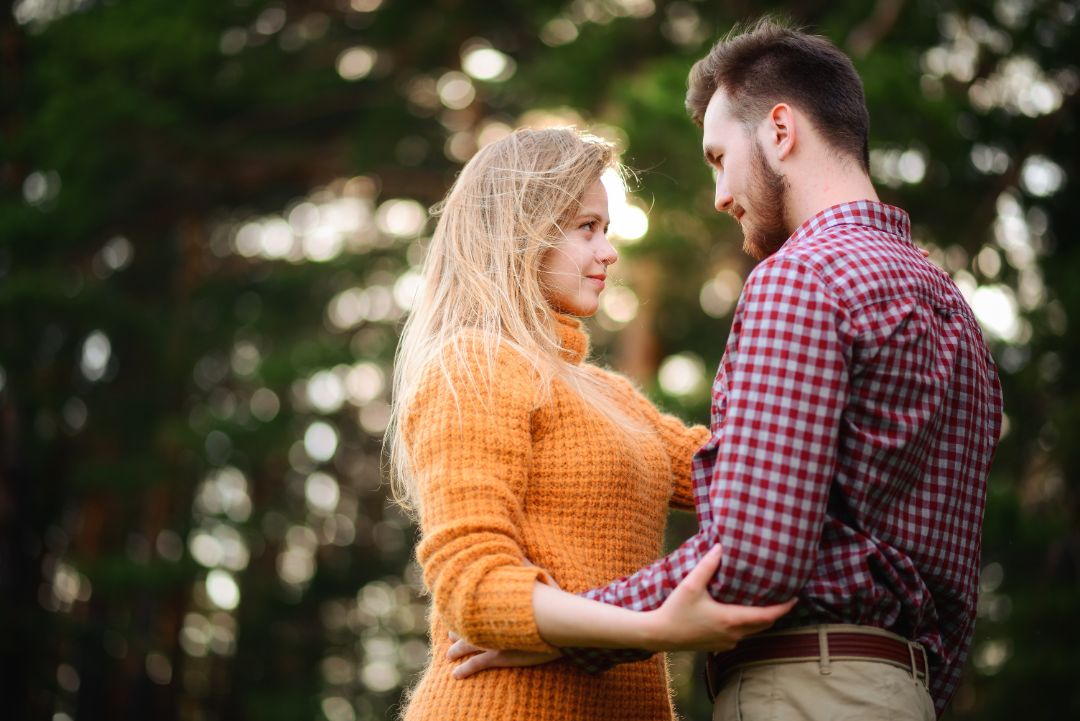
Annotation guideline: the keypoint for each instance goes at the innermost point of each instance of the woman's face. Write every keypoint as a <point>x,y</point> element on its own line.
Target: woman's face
<point>572,274</point>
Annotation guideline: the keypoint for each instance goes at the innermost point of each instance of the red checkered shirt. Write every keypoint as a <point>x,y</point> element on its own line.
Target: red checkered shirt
<point>854,417</point>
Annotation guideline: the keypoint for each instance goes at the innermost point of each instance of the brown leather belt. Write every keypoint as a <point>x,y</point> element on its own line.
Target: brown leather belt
<point>823,644</point>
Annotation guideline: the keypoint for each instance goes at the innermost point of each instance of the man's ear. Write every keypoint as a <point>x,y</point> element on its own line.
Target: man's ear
<point>781,126</point>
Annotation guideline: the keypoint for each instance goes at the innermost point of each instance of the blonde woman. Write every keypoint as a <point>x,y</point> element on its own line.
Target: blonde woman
<point>529,468</point>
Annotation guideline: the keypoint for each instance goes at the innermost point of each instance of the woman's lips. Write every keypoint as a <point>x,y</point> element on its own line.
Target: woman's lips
<point>598,280</point>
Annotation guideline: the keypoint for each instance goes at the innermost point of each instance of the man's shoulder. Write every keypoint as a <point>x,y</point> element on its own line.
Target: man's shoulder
<point>855,264</point>
<point>791,264</point>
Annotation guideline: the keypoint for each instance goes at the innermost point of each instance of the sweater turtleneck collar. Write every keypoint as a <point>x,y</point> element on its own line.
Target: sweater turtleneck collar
<point>572,338</point>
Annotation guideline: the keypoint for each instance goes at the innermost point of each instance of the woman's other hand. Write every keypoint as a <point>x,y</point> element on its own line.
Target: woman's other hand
<point>481,659</point>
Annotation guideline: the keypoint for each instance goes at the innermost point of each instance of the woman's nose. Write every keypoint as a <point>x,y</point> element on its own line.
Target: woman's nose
<point>607,254</point>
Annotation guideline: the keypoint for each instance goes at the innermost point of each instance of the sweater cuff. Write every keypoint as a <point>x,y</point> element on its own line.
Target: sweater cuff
<point>501,615</point>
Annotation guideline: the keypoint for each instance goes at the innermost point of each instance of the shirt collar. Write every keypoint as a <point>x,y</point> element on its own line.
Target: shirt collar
<point>870,213</point>
<point>572,338</point>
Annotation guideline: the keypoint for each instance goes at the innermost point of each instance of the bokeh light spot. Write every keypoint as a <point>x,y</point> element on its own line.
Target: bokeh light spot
<point>455,90</point>
<point>486,63</point>
<point>682,374</point>
<point>401,218</point>
<point>222,590</point>
<point>320,441</point>
<point>96,352</point>
<point>356,63</point>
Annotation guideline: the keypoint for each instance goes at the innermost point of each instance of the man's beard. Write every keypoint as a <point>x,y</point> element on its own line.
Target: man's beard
<point>766,193</point>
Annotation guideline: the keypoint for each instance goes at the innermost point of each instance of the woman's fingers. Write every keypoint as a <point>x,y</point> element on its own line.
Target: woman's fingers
<point>747,620</point>
<point>756,615</point>
<point>461,648</point>
<point>474,664</point>
<point>702,573</point>
<point>483,660</point>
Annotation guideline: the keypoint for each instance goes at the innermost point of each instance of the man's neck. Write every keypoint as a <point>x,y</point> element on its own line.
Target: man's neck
<point>830,186</point>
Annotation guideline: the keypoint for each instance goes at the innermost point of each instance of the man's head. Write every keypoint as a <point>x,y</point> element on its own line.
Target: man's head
<point>773,102</point>
<point>771,63</point>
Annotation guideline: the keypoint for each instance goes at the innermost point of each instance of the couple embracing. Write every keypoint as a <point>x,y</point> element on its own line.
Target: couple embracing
<point>840,485</point>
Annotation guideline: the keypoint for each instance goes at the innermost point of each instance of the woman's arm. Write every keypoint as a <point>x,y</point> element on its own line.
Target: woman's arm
<point>470,443</point>
<point>689,620</point>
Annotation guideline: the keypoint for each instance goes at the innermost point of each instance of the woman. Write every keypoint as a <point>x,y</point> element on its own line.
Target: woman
<point>526,465</point>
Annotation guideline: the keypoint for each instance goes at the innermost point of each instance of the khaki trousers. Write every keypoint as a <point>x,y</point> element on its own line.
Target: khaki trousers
<point>850,691</point>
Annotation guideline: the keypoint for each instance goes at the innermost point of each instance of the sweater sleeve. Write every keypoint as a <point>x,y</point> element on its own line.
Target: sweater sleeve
<point>470,446</point>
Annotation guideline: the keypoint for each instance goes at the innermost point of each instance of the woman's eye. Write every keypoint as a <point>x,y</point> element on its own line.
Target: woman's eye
<point>589,225</point>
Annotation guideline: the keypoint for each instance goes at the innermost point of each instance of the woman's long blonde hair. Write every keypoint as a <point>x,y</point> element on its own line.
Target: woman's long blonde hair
<point>481,274</point>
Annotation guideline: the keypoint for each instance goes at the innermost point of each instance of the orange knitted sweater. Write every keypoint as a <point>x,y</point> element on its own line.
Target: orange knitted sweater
<point>552,481</point>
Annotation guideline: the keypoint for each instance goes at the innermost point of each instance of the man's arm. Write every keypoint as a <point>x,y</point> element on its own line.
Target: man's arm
<point>774,453</point>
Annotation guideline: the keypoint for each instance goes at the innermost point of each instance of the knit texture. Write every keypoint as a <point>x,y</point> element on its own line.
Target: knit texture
<point>505,475</point>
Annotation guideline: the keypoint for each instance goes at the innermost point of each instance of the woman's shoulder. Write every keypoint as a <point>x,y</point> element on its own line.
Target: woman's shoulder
<point>625,387</point>
<point>472,350</point>
<point>469,360</point>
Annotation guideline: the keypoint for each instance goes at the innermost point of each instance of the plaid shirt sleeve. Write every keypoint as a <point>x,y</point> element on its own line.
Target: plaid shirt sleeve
<point>763,479</point>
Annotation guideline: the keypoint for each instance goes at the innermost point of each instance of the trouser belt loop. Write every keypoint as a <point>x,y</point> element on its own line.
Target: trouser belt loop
<point>823,643</point>
<point>914,646</point>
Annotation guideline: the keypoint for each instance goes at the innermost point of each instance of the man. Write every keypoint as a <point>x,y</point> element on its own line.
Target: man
<point>855,412</point>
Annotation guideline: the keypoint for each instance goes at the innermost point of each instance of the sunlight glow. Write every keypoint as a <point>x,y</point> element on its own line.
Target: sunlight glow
<point>455,90</point>
<point>719,294</point>
<point>356,63</point>
<point>682,374</point>
<point>401,218</point>
<point>222,590</point>
<point>321,441</point>
<point>322,493</point>
<point>96,352</point>
<point>1041,176</point>
<point>996,308</point>
<point>895,167</point>
<point>487,63</point>
<point>364,382</point>
<point>629,223</point>
<point>325,391</point>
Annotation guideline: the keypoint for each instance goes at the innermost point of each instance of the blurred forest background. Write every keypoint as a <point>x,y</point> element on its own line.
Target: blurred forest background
<point>211,212</point>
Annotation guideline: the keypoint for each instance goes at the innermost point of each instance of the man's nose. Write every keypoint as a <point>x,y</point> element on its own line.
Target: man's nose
<point>723,200</point>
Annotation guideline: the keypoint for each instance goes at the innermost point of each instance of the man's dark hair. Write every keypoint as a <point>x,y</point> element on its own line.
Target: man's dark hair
<point>772,63</point>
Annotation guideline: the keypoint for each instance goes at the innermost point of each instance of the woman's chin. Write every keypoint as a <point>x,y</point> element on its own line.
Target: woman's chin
<point>576,310</point>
